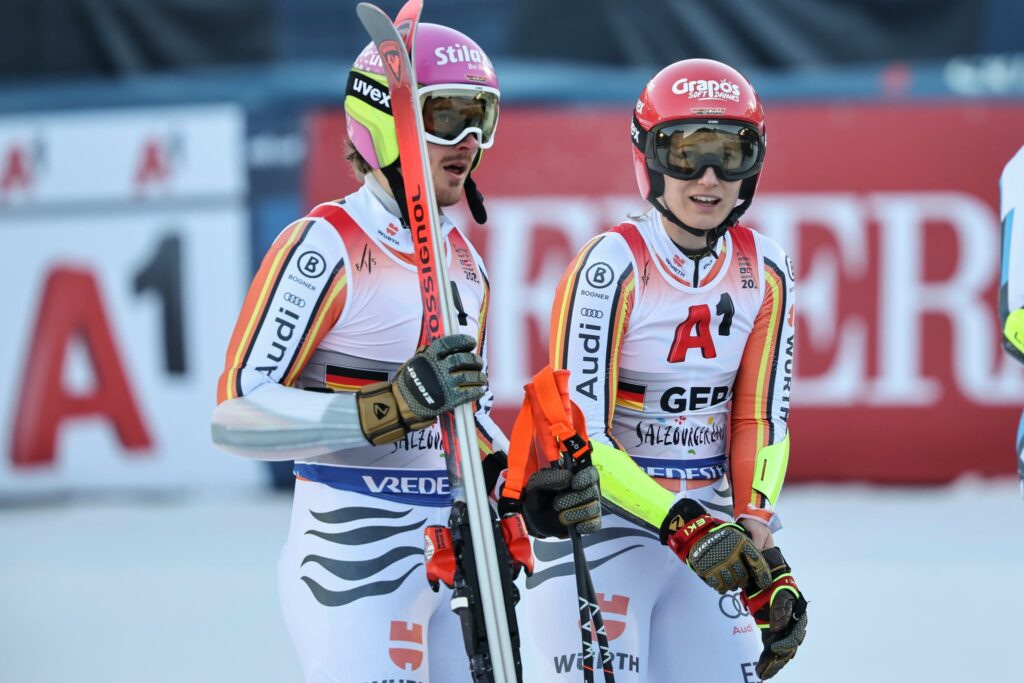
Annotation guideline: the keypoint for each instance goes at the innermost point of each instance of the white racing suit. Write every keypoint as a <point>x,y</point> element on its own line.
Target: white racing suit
<point>686,367</point>
<point>335,306</point>
<point>1011,278</point>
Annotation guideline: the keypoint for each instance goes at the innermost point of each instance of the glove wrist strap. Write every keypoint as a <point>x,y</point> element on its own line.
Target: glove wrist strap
<point>380,415</point>
<point>763,598</point>
<point>687,533</point>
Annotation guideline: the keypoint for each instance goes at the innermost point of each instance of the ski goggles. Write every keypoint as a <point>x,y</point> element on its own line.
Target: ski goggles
<point>452,113</point>
<point>685,149</point>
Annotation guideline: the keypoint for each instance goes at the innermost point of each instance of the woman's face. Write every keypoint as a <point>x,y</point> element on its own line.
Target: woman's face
<point>702,203</point>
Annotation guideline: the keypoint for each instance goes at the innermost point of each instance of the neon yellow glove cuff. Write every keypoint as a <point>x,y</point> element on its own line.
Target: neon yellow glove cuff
<point>626,486</point>
<point>770,469</point>
<point>1013,330</point>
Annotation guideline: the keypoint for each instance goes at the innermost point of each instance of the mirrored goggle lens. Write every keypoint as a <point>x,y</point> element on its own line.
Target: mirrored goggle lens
<point>685,150</point>
<point>450,116</point>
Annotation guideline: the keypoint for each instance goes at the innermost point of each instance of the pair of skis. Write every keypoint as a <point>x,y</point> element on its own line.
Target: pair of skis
<point>478,580</point>
<point>483,596</point>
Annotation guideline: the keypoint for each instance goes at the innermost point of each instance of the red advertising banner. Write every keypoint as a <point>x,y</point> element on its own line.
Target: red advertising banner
<point>890,214</point>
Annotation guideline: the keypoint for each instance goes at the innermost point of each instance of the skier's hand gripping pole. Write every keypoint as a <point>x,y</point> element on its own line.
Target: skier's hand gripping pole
<point>438,378</point>
<point>561,498</point>
<point>557,500</point>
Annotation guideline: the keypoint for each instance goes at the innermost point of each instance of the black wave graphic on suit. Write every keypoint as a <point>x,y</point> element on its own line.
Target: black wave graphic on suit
<point>330,598</point>
<point>357,570</point>
<point>355,514</point>
<point>566,568</point>
<point>366,534</point>
<point>724,509</point>
<point>547,551</point>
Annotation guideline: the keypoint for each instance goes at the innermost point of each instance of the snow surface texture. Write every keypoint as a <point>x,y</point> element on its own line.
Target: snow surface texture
<point>184,589</point>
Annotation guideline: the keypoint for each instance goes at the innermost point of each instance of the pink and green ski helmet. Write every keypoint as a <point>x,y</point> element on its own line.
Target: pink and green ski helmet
<point>448,64</point>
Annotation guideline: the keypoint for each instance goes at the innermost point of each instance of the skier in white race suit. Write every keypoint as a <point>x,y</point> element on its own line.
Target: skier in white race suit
<point>1011,279</point>
<point>677,328</point>
<point>325,367</point>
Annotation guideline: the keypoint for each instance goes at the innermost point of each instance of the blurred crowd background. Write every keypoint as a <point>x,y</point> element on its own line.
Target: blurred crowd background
<point>151,151</point>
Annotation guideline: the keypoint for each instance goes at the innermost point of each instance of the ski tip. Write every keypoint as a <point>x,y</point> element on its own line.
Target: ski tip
<point>367,11</point>
<point>410,10</point>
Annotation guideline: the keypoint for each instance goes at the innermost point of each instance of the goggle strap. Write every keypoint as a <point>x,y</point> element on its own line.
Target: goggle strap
<point>638,135</point>
<point>369,91</point>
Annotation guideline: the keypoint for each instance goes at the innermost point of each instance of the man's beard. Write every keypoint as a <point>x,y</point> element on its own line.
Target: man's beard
<point>448,195</point>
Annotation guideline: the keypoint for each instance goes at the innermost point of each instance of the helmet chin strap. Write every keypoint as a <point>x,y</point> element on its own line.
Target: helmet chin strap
<point>393,174</point>
<point>711,236</point>
<point>475,200</point>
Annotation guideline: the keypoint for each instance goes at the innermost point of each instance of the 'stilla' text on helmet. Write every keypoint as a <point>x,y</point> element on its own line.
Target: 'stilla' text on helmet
<point>459,53</point>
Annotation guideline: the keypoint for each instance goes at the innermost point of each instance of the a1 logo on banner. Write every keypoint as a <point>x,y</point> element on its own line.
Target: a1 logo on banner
<point>114,351</point>
<point>72,309</point>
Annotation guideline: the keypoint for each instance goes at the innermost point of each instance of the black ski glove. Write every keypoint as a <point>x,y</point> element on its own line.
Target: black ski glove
<point>494,466</point>
<point>555,499</point>
<point>720,552</point>
<point>780,612</point>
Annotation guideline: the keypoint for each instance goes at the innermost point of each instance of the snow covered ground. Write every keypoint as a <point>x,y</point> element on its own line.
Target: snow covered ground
<point>906,585</point>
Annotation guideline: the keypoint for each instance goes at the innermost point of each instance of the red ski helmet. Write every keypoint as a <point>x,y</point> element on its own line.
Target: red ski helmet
<point>698,98</point>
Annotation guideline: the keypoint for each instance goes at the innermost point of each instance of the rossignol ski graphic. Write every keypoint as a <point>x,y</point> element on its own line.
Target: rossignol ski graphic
<point>480,574</point>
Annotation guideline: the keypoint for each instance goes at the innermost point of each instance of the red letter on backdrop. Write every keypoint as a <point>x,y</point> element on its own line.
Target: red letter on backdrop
<point>15,171</point>
<point>153,166</point>
<point>71,307</point>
